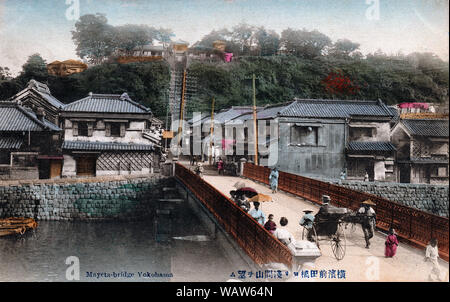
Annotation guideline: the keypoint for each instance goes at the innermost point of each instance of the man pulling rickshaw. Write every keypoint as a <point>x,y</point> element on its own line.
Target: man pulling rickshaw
<point>326,225</point>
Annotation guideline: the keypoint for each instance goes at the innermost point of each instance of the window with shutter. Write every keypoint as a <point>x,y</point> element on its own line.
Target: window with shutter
<point>90,129</point>
<point>115,129</point>
<point>108,130</point>
<point>75,129</point>
<point>83,129</point>
<point>122,130</point>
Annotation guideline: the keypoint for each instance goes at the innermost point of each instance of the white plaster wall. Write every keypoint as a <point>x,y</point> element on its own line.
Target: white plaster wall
<point>379,171</point>
<point>69,166</point>
<point>131,136</point>
<point>382,132</point>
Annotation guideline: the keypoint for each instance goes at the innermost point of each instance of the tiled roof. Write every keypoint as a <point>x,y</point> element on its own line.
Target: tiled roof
<point>203,116</point>
<point>51,99</point>
<point>106,103</point>
<point>270,112</point>
<point>335,109</point>
<point>40,90</point>
<point>103,146</point>
<point>232,113</point>
<point>17,118</point>
<point>370,146</point>
<point>10,143</point>
<point>396,115</point>
<point>428,127</point>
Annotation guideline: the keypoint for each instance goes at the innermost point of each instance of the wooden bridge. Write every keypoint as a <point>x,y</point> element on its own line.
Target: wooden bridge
<point>414,227</point>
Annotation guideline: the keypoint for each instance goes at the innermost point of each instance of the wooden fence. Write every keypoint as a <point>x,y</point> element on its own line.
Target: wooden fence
<point>261,246</point>
<point>412,225</point>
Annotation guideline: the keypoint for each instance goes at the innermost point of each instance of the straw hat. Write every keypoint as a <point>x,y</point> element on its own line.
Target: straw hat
<point>369,202</point>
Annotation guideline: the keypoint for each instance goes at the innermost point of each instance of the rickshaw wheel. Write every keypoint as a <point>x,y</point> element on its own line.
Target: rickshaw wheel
<point>315,239</point>
<point>338,243</point>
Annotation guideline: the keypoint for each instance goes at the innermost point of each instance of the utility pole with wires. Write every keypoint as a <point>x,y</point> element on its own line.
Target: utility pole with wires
<point>255,120</point>
<point>181,116</point>
<point>167,98</point>
<point>211,132</point>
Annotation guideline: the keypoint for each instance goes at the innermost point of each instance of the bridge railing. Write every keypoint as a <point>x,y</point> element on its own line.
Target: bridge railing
<point>260,245</point>
<point>412,225</point>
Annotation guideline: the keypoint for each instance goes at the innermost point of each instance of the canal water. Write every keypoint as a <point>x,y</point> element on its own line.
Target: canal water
<point>115,251</point>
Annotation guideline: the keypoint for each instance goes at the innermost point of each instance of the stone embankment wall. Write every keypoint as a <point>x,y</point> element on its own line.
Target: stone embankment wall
<point>97,198</point>
<point>429,198</point>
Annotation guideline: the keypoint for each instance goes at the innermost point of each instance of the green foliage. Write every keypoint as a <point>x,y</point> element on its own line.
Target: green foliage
<point>145,83</point>
<point>281,78</point>
<point>34,68</point>
<point>304,43</point>
<point>8,86</point>
<point>418,77</point>
<point>94,38</point>
<point>98,41</point>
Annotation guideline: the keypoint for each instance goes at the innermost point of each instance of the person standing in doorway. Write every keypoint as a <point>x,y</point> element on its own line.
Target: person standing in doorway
<point>273,179</point>
<point>391,244</point>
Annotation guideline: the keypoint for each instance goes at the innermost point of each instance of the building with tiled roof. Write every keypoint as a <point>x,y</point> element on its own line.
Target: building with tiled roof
<point>36,95</point>
<point>29,143</point>
<point>423,150</point>
<point>325,138</point>
<point>66,67</point>
<point>108,134</point>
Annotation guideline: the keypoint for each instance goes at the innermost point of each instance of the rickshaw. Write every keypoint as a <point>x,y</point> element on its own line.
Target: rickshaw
<point>329,225</point>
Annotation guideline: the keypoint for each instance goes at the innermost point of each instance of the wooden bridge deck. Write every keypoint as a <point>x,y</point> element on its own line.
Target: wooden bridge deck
<point>359,263</point>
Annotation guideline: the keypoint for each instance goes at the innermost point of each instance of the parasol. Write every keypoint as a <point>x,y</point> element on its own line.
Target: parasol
<point>260,198</point>
<point>247,191</point>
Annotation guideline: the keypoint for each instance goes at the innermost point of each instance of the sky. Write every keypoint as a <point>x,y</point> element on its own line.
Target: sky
<point>44,26</point>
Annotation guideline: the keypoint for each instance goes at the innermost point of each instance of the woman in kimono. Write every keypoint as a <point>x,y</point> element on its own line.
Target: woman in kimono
<point>391,244</point>
<point>273,179</point>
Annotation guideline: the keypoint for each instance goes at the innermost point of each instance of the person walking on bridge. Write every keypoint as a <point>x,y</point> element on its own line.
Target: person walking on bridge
<point>220,166</point>
<point>391,244</point>
<point>273,179</point>
<point>368,217</point>
<point>432,255</point>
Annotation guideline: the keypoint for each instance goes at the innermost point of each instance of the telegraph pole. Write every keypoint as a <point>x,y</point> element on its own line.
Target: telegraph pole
<point>166,97</point>
<point>254,121</point>
<point>211,132</point>
<point>181,118</point>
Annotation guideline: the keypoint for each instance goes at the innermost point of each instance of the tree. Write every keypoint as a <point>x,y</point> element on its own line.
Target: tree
<point>164,35</point>
<point>243,35</point>
<point>215,35</point>
<point>8,86</point>
<point>94,38</point>
<point>268,41</point>
<point>34,68</point>
<point>303,43</point>
<point>343,48</point>
<point>130,36</point>
<point>5,74</point>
